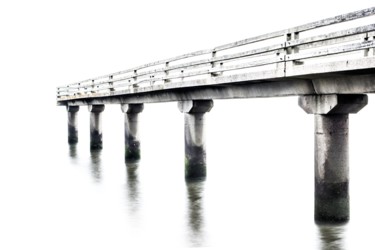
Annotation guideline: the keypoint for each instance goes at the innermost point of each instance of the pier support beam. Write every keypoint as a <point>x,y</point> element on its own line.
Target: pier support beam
<point>332,152</point>
<point>96,137</point>
<point>195,145</point>
<point>72,124</point>
<point>132,142</point>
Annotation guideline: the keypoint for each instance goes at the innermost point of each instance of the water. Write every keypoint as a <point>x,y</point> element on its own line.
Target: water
<point>259,190</point>
<point>258,193</point>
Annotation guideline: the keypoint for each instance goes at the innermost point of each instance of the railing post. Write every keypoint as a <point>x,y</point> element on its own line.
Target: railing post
<point>96,136</point>
<point>166,73</point>
<point>291,50</point>
<point>132,141</point>
<point>332,152</point>
<point>370,37</point>
<point>135,79</point>
<point>92,87</point>
<point>110,83</point>
<point>72,124</point>
<point>182,75</point>
<point>291,37</point>
<point>214,65</point>
<point>195,145</point>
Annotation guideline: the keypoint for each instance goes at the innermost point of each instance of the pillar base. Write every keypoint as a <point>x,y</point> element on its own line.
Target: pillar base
<point>72,124</point>
<point>332,153</point>
<point>72,139</point>
<point>195,162</point>
<point>96,141</point>
<point>332,202</point>
<point>96,136</point>
<point>132,142</point>
<point>195,146</point>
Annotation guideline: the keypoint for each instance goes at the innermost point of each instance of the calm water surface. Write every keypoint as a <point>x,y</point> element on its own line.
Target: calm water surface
<point>258,194</point>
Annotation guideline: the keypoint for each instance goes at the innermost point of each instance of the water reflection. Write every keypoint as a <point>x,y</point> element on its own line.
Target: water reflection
<point>73,151</point>
<point>96,164</point>
<point>132,186</point>
<point>195,190</point>
<point>332,236</point>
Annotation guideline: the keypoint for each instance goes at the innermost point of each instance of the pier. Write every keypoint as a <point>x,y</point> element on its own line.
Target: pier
<point>328,64</point>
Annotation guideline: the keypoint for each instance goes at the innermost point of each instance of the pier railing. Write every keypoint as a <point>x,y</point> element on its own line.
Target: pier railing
<point>339,44</point>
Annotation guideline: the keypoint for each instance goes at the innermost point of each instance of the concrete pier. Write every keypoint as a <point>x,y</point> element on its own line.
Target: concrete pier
<point>332,152</point>
<point>96,137</point>
<point>72,124</point>
<point>132,141</point>
<point>195,146</point>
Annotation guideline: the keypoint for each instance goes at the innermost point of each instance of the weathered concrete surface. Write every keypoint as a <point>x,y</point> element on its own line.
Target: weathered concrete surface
<point>306,85</point>
<point>72,124</point>
<point>332,152</point>
<point>132,141</point>
<point>331,168</point>
<point>96,136</point>
<point>161,93</point>
<point>332,104</point>
<point>195,145</point>
<point>345,84</point>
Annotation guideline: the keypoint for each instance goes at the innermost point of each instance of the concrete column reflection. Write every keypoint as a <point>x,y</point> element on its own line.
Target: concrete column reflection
<point>195,191</point>
<point>96,164</point>
<point>73,151</point>
<point>132,186</point>
<point>331,236</point>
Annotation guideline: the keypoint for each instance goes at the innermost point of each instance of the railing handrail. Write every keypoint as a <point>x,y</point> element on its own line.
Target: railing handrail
<point>287,43</point>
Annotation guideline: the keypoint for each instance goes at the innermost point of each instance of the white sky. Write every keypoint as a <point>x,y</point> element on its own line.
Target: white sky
<point>45,44</point>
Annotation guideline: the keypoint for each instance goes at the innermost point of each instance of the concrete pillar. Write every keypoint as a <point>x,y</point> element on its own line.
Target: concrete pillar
<point>332,152</point>
<point>72,124</point>
<point>132,142</point>
<point>195,145</point>
<point>96,137</point>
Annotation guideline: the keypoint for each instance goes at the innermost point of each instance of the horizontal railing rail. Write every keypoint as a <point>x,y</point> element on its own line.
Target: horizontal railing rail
<point>285,53</point>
